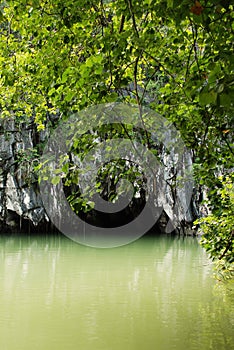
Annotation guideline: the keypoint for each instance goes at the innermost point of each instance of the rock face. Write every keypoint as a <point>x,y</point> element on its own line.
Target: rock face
<point>21,206</point>
<point>20,202</point>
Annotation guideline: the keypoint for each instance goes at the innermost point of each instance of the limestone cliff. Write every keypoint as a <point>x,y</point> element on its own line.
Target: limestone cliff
<point>21,206</point>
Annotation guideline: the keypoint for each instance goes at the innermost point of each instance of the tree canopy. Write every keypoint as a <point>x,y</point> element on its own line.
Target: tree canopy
<point>174,56</point>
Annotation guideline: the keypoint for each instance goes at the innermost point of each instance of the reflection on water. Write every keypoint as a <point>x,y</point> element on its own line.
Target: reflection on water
<point>156,293</point>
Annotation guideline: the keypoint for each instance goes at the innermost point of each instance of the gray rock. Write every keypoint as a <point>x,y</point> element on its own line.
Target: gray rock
<point>21,200</point>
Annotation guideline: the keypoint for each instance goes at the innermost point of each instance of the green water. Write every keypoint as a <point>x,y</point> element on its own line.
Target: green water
<point>155,294</point>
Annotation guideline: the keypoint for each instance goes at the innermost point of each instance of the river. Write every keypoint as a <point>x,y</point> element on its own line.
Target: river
<point>157,293</point>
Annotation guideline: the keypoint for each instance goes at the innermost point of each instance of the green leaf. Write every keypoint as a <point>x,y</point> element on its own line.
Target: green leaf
<point>206,98</point>
<point>65,168</point>
<point>55,180</point>
<point>169,3</point>
<point>226,100</point>
<point>51,92</point>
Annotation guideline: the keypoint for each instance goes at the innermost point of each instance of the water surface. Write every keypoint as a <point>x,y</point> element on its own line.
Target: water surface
<point>155,294</point>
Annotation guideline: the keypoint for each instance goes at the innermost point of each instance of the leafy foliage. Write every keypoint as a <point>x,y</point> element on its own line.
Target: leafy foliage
<point>218,237</point>
<point>175,56</point>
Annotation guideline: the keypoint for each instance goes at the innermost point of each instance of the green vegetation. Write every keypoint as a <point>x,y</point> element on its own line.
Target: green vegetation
<point>218,237</point>
<point>175,56</point>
